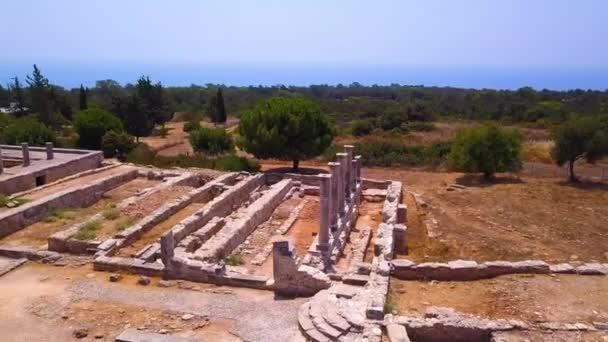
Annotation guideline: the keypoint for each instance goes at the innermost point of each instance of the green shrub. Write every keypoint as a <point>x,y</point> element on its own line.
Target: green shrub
<point>161,131</point>
<point>117,145</point>
<point>143,155</point>
<point>124,224</point>
<point>92,124</point>
<point>27,129</point>
<point>361,127</point>
<point>192,126</point>
<point>420,126</point>
<point>111,214</point>
<point>211,140</point>
<point>3,200</point>
<point>234,260</point>
<point>487,149</point>
<point>88,231</point>
<point>394,153</point>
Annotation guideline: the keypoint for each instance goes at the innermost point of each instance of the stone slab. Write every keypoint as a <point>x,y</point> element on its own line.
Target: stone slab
<point>132,335</point>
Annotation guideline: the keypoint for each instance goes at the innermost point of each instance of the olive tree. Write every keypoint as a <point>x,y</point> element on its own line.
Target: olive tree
<point>580,138</point>
<point>487,149</point>
<point>286,129</point>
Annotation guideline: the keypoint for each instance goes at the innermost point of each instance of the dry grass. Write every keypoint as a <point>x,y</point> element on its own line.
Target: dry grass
<point>537,152</point>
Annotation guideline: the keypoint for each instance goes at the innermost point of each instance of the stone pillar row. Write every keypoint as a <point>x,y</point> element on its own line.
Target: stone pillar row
<point>335,189</point>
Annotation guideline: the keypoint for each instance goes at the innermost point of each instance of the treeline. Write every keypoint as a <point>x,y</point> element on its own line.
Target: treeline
<point>342,103</point>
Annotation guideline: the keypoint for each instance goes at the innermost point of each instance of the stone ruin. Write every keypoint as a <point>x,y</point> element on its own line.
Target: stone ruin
<point>188,223</point>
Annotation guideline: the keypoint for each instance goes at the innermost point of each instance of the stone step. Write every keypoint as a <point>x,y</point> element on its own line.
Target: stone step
<point>317,312</point>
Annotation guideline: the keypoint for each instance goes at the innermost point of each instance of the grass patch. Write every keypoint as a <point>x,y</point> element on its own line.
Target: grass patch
<point>389,306</point>
<point>124,224</point>
<point>60,215</point>
<point>111,214</point>
<point>234,260</point>
<point>88,231</point>
<point>3,200</point>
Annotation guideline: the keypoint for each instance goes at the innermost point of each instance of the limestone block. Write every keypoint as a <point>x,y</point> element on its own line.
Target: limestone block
<point>397,333</point>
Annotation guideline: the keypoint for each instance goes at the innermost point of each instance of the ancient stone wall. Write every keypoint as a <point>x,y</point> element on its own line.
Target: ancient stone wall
<point>52,170</point>
<point>74,197</point>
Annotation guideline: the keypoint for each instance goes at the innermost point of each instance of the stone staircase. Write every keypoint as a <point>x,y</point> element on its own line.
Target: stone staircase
<point>337,314</point>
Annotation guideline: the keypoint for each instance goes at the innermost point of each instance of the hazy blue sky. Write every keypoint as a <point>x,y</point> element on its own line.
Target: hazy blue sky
<point>98,38</point>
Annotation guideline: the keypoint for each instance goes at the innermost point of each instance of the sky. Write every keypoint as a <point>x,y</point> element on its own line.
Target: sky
<point>475,43</point>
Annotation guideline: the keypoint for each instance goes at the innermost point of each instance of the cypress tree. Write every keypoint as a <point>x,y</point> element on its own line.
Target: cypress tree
<point>83,98</point>
<point>39,93</point>
<point>18,97</point>
<point>220,116</point>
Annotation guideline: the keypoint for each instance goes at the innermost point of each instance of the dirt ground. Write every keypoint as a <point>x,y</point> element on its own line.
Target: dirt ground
<point>48,303</point>
<point>530,298</point>
<point>369,218</point>
<point>36,235</point>
<point>513,219</point>
<point>303,232</point>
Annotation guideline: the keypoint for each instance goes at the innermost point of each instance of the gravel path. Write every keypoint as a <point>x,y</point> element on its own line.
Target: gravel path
<point>258,315</point>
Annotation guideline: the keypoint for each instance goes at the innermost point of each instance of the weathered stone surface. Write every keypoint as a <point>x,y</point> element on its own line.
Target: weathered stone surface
<point>397,333</point>
<point>592,269</point>
<point>133,335</point>
<point>115,277</point>
<point>143,280</point>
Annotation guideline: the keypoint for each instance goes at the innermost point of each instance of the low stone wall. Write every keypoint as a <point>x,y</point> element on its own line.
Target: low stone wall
<point>220,206</point>
<point>128,265</point>
<point>74,197</point>
<point>462,270</point>
<point>56,169</point>
<point>235,232</point>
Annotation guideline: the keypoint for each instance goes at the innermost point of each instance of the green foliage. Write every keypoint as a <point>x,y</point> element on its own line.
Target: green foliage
<point>3,200</point>
<point>389,153</point>
<point>92,124</point>
<point>111,214</point>
<point>190,126</point>
<point>82,98</point>
<point>117,144</point>
<point>160,131</point>
<point>124,224</point>
<point>420,126</point>
<point>143,155</point>
<point>27,129</point>
<point>580,138</point>
<point>285,128</point>
<point>234,260</point>
<point>88,231</point>
<point>487,149</point>
<point>39,94</point>
<point>360,128</point>
<point>211,141</point>
<point>391,120</point>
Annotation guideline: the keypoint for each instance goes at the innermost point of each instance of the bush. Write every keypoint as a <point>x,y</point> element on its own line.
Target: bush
<point>92,124</point>
<point>487,149</point>
<point>27,129</point>
<point>88,231</point>
<point>361,127</point>
<point>143,155</point>
<point>393,153</point>
<point>420,126</point>
<point>111,214</point>
<point>117,145</point>
<point>211,140</point>
<point>192,126</point>
<point>392,119</point>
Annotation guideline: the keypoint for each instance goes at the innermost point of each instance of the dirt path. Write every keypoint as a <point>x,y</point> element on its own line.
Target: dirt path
<point>369,219</point>
<point>47,303</point>
<point>531,298</point>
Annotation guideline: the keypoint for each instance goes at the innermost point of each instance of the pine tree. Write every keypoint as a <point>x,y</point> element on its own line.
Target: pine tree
<point>17,96</point>
<point>39,93</point>
<point>220,116</point>
<point>83,98</point>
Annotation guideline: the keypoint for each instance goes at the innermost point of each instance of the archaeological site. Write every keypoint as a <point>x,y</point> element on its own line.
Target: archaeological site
<point>122,252</point>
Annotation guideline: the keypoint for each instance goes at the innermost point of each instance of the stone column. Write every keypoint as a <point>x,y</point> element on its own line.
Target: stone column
<point>1,162</point>
<point>399,239</point>
<point>334,169</point>
<point>49,151</point>
<point>167,248</point>
<point>26,154</point>
<point>358,170</point>
<point>341,158</point>
<point>325,194</point>
<point>350,175</point>
<point>401,213</point>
